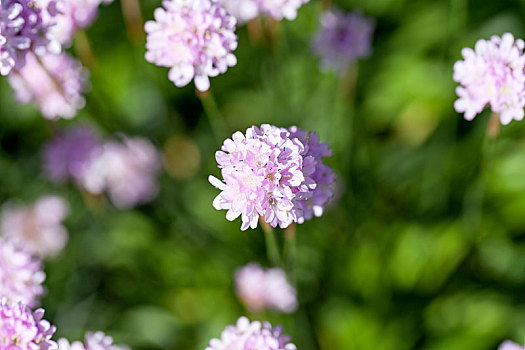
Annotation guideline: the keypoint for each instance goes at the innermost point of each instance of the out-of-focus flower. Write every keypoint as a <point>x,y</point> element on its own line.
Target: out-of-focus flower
<point>260,289</point>
<point>127,170</point>
<point>38,227</point>
<point>194,38</point>
<point>266,173</point>
<point>21,274</point>
<point>279,9</point>
<point>492,74</point>
<point>23,329</point>
<point>74,15</point>
<point>54,83</point>
<point>22,29</point>
<point>343,38</point>
<point>246,335</point>
<point>242,10</point>
<point>92,341</point>
<point>67,156</point>
<point>508,345</point>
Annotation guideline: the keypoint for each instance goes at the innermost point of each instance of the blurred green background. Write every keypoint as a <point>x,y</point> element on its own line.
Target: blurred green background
<point>423,248</point>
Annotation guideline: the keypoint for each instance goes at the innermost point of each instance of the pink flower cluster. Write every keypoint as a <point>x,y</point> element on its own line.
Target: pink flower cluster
<point>127,170</point>
<point>92,341</point>
<point>54,82</point>
<point>260,289</point>
<point>195,38</point>
<point>271,173</point>
<point>492,74</point>
<point>246,335</point>
<point>245,10</point>
<point>508,345</point>
<point>21,275</point>
<point>37,227</point>
<point>23,329</point>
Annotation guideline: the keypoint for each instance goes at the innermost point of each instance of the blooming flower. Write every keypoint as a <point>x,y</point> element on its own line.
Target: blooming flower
<point>492,74</point>
<point>127,170</point>
<point>92,341</point>
<point>68,155</point>
<point>74,15</point>
<point>37,227</point>
<point>242,10</point>
<point>279,9</point>
<point>269,173</point>
<point>195,38</point>
<point>23,329</point>
<point>343,38</point>
<point>54,83</point>
<point>260,289</point>
<point>508,345</point>
<point>246,335</point>
<point>21,275</point>
<point>22,29</point>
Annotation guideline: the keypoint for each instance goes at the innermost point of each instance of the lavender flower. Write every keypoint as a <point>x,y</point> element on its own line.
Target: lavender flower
<point>260,289</point>
<point>279,9</point>
<point>492,75</point>
<point>246,335</point>
<point>242,10</point>
<point>21,275</point>
<point>68,155</point>
<point>343,38</point>
<point>126,170</point>
<point>22,29</point>
<point>195,38</point>
<point>37,227</point>
<point>92,341</point>
<point>270,173</point>
<point>53,82</point>
<point>23,329</point>
<point>508,345</point>
<point>74,16</point>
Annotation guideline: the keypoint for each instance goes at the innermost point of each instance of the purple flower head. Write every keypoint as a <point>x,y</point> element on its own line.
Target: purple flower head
<point>54,83</point>
<point>246,335</point>
<point>194,38</point>
<point>23,329</point>
<point>260,288</point>
<point>22,29</point>
<point>92,341</point>
<point>68,155</point>
<point>279,9</point>
<point>37,227</point>
<point>508,345</point>
<point>127,170</point>
<point>492,74</point>
<point>21,275</point>
<point>343,38</point>
<point>242,10</point>
<point>74,15</point>
<point>265,174</point>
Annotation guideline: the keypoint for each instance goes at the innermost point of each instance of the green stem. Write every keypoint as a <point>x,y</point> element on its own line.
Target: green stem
<point>214,115</point>
<point>290,249</point>
<point>272,249</point>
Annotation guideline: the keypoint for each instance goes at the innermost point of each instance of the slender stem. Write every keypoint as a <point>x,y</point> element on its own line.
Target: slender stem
<point>255,29</point>
<point>213,114</point>
<point>133,19</point>
<point>83,49</point>
<point>272,250</point>
<point>290,249</point>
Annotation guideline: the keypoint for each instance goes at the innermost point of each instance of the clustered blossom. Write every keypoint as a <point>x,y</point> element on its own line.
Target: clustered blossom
<point>22,29</point>
<point>271,173</point>
<point>242,10</point>
<point>68,155</point>
<point>23,329</point>
<point>260,288</point>
<point>74,15</point>
<point>92,341</point>
<point>508,345</point>
<point>245,10</point>
<point>246,335</point>
<point>343,38</point>
<point>54,82</point>
<point>37,227</point>
<point>21,275</point>
<point>492,74</point>
<point>194,38</point>
<point>127,170</point>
